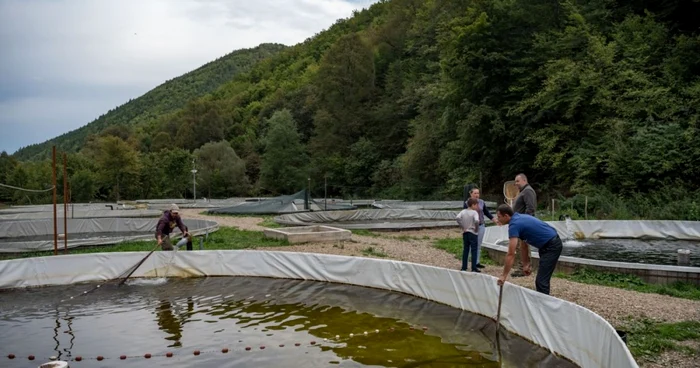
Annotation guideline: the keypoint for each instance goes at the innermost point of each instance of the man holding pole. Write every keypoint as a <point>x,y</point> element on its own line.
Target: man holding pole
<point>166,224</point>
<point>535,232</point>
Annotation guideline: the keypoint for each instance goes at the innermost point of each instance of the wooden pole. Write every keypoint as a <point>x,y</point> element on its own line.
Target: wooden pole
<point>586,209</point>
<point>55,225</point>
<point>65,203</point>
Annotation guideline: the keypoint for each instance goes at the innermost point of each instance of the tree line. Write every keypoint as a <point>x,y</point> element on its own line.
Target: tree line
<point>413,99</point>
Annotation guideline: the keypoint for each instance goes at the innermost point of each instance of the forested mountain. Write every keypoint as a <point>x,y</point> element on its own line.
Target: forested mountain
<point>414,98</point>
<point>169,96</point>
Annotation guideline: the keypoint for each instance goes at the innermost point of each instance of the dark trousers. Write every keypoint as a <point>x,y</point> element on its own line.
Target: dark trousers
<point>549,255</point>
<point>470,245</point>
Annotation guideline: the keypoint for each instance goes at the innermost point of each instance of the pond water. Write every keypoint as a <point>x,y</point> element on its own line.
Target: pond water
<point>663,252</point>
<point>283,323</point>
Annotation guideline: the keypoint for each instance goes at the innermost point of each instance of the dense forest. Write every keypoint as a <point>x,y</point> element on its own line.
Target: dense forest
<point>413,99</point>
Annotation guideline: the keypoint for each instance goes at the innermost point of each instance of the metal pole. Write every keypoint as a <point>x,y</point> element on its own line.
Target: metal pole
<point>585,211</point>
<point>194,181</point>
<point>65,203</point>
<point>325,193</point>
<point>55,225</point>
<point>552,209</point>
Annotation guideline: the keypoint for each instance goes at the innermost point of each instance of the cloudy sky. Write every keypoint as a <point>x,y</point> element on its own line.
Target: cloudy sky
<point>65,62</point>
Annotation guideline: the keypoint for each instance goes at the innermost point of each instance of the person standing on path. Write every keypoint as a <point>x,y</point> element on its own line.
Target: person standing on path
<point>531,231</point>
<point>483,211</point>
<point>468,220</point>
<point>525,203</point>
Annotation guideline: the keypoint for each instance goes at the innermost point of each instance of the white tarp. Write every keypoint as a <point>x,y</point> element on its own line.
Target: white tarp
<point>600,229</point>
<point>560,326</point>
<point>372,219</point>
<point>80,214</point>
<point>37,235</point>
<point>425,205</point>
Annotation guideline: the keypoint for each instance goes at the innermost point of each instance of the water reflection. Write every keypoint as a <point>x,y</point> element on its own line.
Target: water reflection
<point>172,323</point>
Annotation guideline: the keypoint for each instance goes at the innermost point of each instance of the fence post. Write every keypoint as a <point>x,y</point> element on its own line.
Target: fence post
<point>586,208</point>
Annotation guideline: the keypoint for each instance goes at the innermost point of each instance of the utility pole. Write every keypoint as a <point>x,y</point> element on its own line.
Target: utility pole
<point>55,227</point>
<point>194,181</point>
<point>65,203</point>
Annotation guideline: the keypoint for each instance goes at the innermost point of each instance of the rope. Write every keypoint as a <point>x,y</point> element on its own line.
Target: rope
<point>27,190</point>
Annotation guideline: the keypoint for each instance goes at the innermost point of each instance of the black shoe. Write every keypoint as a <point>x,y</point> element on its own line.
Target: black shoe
<point>476,270</point>
<point>517,273</point>
<point>479,265</point>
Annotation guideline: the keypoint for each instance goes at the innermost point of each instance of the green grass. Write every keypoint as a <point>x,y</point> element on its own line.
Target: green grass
<point>455,246</point>
<point>648,339</point>
<point>632,282</point>
<point>224,238</point>
<point>268,221</point>
<point>373,252</point>
<point>364,232</point>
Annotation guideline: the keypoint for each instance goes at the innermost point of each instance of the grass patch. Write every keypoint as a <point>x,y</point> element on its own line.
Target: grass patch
<point>373,252</point>
<point>648,339</point>
<point>365,232</point>
<point>224,238</point>
<point>632,282</point>
<point>268,221</point>
<point>455,247</point>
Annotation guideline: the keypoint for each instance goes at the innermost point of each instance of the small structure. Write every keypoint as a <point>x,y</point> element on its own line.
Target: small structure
<point>306,234</point>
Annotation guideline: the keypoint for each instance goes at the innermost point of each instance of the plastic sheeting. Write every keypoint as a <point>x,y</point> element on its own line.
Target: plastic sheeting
<point>560,326</point>
<point>601,229</point>
<point>425,205</point>
<point>649,229</point>
<point>25,236</point>
<point>80,214</point>
<point>59,207</point>
<point>283,204</point>
<point>373,219</point>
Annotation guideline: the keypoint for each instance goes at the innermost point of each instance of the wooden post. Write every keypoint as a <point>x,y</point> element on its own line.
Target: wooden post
<point>65,204</point>
<point>585,211</point>
<point>55,225</point>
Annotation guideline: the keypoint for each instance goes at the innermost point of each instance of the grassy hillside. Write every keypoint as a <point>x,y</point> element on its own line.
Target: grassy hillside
<point>169,96</point>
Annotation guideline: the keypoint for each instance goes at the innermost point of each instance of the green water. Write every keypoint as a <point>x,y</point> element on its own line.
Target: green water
<point>299,324</point>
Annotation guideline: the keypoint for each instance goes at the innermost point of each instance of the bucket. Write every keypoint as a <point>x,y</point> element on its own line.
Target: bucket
<point>684,257</point>
<point>623,335</point>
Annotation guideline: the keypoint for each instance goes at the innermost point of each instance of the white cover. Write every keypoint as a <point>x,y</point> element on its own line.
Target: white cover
<point>560,326</point>
<point>97,231</point>
<point>372,219</point>
<point>79,214</point>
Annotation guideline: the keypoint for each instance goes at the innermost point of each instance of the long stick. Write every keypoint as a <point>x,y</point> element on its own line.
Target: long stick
<point>498,323</point>
<point>500,299</point>
<point>138,265</point>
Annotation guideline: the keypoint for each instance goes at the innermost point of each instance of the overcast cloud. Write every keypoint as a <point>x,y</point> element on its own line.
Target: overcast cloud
<point>65,62</point>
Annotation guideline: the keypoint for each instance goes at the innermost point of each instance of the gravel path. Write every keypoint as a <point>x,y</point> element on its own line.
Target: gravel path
<point>613,304</point>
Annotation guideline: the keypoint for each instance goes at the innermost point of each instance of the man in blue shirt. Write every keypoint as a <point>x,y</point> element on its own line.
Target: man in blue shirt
<point>537,233</point>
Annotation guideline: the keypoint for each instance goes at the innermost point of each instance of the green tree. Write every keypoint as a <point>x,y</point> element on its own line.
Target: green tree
<point>283,167</point>
<point>221,171</point>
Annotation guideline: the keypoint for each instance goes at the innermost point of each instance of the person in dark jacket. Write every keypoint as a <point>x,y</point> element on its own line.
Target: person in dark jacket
<point>525,203</point>
<point>166,224</point>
